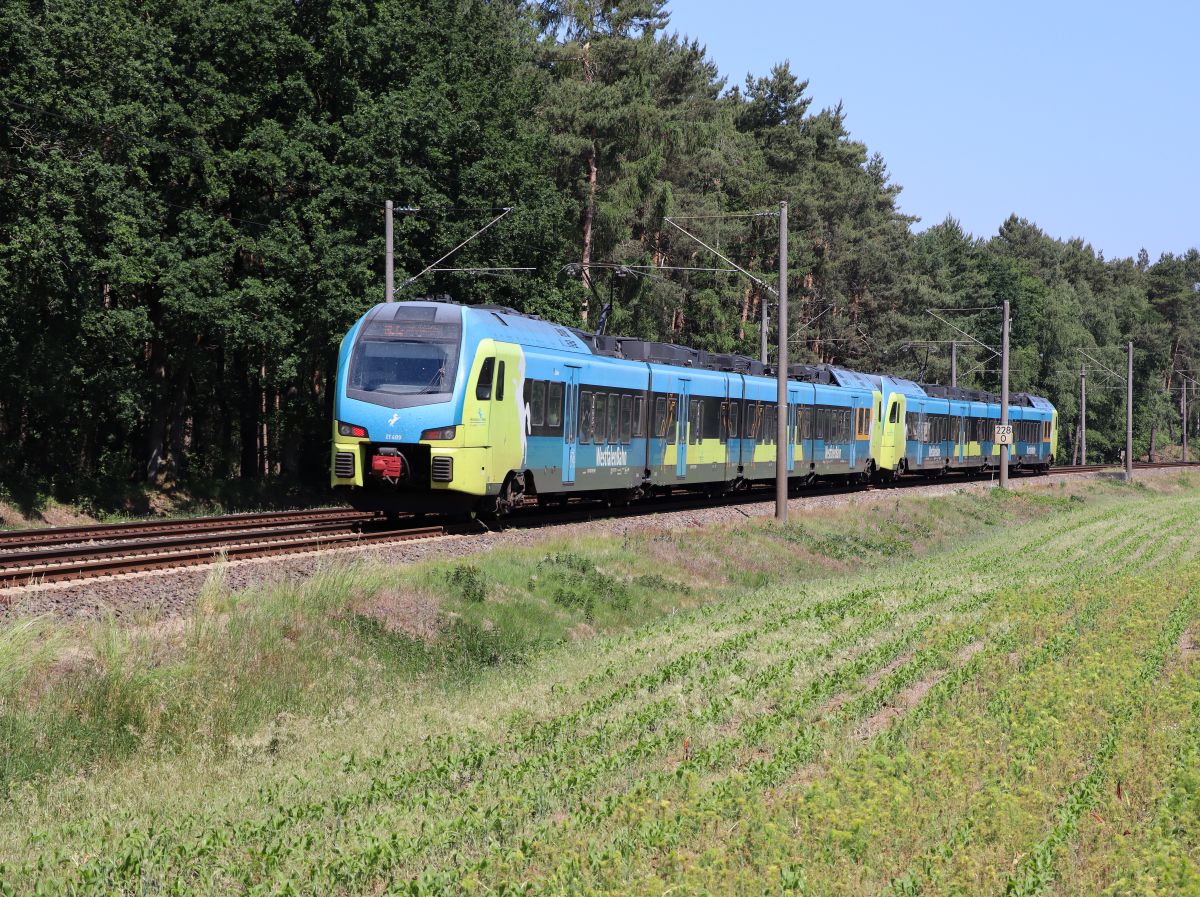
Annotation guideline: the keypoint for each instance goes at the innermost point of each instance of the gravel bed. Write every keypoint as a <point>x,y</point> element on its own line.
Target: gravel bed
<point>169,593</point>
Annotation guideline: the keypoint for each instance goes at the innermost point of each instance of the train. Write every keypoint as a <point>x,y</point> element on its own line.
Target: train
<point>447,408</point>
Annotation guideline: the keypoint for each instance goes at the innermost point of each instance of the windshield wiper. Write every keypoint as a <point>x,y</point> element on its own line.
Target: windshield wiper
<point>436,377</point>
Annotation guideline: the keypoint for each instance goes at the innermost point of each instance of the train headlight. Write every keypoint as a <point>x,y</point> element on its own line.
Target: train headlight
<point>352,430</point>
<point>441,433</point>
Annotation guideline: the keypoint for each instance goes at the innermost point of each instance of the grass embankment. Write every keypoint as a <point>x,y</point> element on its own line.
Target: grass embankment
<point>949,712</point>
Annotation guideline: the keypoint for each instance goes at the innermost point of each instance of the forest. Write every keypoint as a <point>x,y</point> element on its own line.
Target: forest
<point>191,216</point>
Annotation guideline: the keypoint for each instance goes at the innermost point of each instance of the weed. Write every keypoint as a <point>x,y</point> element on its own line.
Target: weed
<point>468,582</point>
<point>574,582</point>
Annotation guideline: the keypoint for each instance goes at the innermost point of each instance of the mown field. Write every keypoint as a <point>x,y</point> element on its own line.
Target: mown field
<point>980,694</point>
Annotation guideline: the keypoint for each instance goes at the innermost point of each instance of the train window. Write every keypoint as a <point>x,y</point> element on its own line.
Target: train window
<point>894,413</point>
<point>585,417</point>
<point>554,405</point>
<point>614,418</point>
<point>483,386</point>
<point>693,433</point>
<point>669,428</point>
<point>537,403</point>
<point>639,415</point>
<point>724,421</point>
<point>660,417</point>
<point>626,418</point>
<point>500,383</point>
<point>599,419</point>
<point>733,418</point>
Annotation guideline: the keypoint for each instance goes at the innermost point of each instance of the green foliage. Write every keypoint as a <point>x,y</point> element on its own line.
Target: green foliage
<point>574,582</point>
<point>468,582</point>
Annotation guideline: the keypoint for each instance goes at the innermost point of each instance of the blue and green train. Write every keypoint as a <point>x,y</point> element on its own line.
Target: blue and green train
<point>448,408</point>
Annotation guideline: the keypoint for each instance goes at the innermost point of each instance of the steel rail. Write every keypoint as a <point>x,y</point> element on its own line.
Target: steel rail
<point>108,531</point>
<point>40,554</point>
<point>251,548</point>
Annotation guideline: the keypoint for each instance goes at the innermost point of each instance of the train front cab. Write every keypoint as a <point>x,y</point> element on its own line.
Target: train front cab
<point>435,454</point>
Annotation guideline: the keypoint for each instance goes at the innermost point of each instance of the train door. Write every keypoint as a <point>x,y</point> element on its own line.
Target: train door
<point>570,424</point>
<point>893,443</point>
<point>505,423</point>
<point>738,393</point>
<point>685,424</point>
<point>793,407</point>
<point>855,427</point>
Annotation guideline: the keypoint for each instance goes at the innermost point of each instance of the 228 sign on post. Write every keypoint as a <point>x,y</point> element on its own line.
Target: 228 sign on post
<point>1004,434</point>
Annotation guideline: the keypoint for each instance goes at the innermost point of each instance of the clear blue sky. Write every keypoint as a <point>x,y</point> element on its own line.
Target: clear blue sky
<point>1083,117</point>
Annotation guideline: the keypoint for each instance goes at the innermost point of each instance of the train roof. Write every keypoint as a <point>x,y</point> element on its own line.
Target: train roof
<point>535,330</point>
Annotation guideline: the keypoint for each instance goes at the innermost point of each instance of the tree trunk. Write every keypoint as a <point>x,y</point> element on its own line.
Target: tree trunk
<point>589,215</point>
<point>178,424</point>
<point>224,422</point>
<point>745,312</point>
<point>589,211</point>
<point>1153,440</point>
<point>264,444</point>
<point>247,420</point>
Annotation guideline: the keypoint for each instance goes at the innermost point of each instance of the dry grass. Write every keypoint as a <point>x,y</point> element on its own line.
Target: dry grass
<point>406,610</point>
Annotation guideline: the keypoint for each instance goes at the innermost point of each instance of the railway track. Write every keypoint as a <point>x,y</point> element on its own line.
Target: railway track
<point>62,554</point>
<point>59,535</point>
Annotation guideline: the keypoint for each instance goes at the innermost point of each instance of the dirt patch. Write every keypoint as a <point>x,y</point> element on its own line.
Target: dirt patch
<point>968,651</point>
<point>883,672</point>
<point>913,695</point>
<point>834,704</point>
<point>806,775</point>
<point>11,517</point>
<point>581,632</point>
<point>61,515</point>
<point>410,612</point>
<point>1188,646</point>
<point>900,705</point>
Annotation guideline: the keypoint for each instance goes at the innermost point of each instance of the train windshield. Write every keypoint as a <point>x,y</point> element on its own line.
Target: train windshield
<point>402,364</point>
